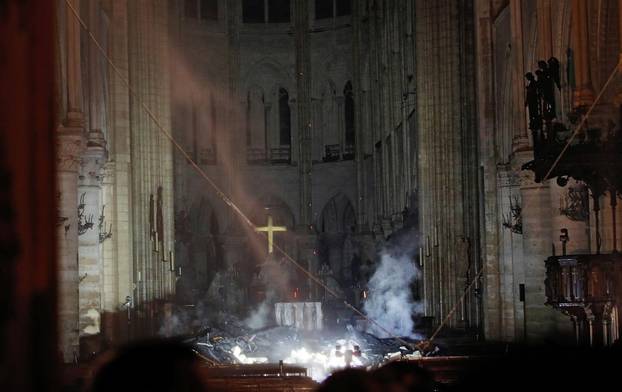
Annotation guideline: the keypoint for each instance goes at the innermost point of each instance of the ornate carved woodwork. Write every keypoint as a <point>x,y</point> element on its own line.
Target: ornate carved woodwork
<point>588,288</point>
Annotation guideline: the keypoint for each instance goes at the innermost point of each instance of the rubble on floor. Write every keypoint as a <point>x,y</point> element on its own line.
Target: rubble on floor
<point>228,341</point>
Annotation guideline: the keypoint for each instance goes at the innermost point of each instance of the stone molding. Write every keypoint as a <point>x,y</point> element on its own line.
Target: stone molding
<point>70,145</point>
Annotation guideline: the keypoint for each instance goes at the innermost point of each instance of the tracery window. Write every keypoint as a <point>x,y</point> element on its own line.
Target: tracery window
<point>349,119</point>
<point>325,9</point>
<point>285,121</point>
<point>266,11</point>
<point>201,9</point>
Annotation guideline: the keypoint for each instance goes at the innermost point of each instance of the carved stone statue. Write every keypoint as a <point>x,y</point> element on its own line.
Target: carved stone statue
<point>548,78</point>
<point>532,102</point>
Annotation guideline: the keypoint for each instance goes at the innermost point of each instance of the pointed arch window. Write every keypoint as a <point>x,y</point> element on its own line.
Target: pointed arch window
<point>278,11</point>
<point>282,152</point>
<point>253,11</point>
<point>256,138</point>
<point>201,9</point>
<point>349,121</point>
<point>325,9</point>
<point>266,11</point>
<point>285,119</point>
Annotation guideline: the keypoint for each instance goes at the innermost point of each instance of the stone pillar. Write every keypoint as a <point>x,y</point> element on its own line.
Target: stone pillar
<point>70,145</point>
<point>486,117</point>
<point>545,44</point>
<point>340,118</point>
<point>307,252</point>
<point>120,278</point>
<point>360,125</point>
<point>448,165</point>
<point>303,102</point>
<point>73,86</point>
<point>236,262</point>
<point>90,263</point>
<point>521,139</point>
<point>540,320</point>
<point>583,94</point>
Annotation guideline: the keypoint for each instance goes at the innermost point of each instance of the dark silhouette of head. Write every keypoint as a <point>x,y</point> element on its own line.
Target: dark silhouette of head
<point>155,366</point>
<point>404,376</point>
<point>349,380</point>
<point>529,76</point>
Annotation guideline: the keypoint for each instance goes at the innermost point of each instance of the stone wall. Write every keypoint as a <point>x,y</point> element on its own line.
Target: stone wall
<point>511,37</point>
<point>111,159</point>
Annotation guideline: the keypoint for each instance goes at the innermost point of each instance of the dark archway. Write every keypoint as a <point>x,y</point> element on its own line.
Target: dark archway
<point>337,224</point>
<point>198,248</point>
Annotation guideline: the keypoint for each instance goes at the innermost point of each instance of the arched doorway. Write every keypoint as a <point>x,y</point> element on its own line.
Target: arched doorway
<point>337,250</point>
<point>198,249</point>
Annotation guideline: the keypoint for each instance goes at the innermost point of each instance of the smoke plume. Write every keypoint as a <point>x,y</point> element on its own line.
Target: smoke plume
<point>275,278</point>
<point>390,301</point>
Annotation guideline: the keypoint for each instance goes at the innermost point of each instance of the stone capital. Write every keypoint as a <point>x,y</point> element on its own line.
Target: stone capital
<point>70,145</point>
<point>74,119</point>
<point>93,159</point>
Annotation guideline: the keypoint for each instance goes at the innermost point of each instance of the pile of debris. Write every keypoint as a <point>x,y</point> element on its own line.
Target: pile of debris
<point>228,341</point>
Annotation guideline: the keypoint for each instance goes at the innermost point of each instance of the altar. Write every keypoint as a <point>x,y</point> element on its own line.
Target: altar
<point>300,315</point>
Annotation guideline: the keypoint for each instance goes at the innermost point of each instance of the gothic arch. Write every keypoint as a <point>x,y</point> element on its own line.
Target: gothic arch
<point>198,247</point>
<point>325,117</point>
<point>255,117</point>
<point>278,75</point>
<point>338,216</point>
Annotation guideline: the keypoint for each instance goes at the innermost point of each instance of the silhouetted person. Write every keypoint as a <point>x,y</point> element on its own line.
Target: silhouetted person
<point>154,366</point>
<point>547,82</point>
<point>546,368</point>
<point>349,380</point>
<point>404,376</point>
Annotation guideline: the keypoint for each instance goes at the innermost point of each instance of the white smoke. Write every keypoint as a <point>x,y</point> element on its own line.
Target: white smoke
<point>260,317</point>
<point>390,301</point>
<point>275,278</point>
<point>176,323</point>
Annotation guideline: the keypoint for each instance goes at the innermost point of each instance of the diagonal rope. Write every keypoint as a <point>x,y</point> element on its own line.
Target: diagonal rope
<point>215,187</point>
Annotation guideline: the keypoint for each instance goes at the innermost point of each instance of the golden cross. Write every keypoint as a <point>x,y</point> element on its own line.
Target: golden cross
<point>270,229</point>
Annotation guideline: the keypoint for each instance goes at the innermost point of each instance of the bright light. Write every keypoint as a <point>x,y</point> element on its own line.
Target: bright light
<point>242,358</point>
<point>321,364</point>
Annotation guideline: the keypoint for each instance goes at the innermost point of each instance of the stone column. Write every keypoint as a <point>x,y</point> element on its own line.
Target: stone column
<point>75,113</point>
<point>360,125</point>
<point>545,45</point>
<point>70,145</point>
<point>521,139</point>
<point>540,320</point>
<point>90,263</point>
<point>340,118</point>
<point>234,252</point>
<point>307,252</point>
<point>119,250</point>
<point>583,94</point>
<point>303,102</point>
